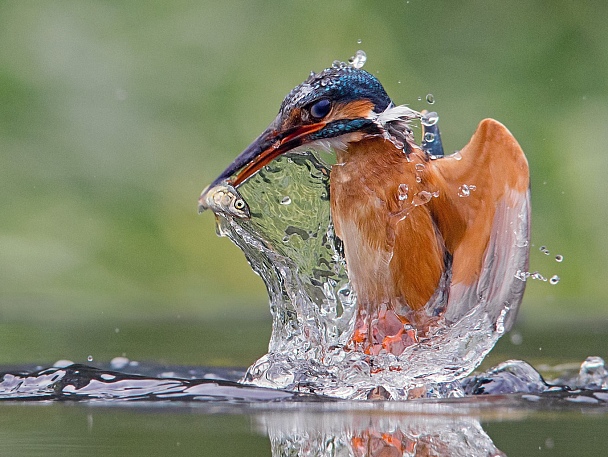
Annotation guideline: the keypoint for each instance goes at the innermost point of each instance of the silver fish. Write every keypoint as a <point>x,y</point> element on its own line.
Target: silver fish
<point>225,199</point>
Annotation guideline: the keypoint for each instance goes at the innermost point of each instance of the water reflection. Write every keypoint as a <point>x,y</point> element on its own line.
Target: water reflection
<point>373,435</point>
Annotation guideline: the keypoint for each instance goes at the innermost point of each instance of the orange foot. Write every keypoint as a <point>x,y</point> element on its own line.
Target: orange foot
<point>387,331</point>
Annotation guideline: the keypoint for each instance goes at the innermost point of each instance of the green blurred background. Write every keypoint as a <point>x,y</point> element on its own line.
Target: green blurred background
<point>114,115</point>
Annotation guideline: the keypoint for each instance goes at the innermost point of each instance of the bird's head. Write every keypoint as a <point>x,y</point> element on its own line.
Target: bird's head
<point>335,107</point>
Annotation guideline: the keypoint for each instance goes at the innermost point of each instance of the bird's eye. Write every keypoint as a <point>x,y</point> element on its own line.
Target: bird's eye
<point>320,109</point>
<point>239,204</point>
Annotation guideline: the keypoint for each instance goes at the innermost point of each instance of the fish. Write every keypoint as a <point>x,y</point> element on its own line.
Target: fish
<point>223,198</point>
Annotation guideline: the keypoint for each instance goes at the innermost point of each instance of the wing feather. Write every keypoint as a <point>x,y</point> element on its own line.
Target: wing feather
<point>484,216</point>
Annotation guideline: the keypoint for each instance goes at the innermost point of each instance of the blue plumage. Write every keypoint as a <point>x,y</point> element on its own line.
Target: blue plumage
<point>340,83</point>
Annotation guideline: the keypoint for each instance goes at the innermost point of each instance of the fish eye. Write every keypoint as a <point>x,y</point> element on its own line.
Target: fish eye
<point>239,204</point>
<point>320,109</point>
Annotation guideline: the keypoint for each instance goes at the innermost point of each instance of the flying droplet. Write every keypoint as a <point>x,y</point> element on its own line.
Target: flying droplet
<point>516,338</point>
<point>359,41</point>
<point>286,200</point>
<point>559,258</point>
<point>544,250</point>
<point>419,99</point>
<point>403,189</point>
<point>421,198</point>
<point>429,119</point>
<point>90,358</point>
<point>554,279</point>
<point>358,60</point>
<point>429,137</point>
<point>430,99</point>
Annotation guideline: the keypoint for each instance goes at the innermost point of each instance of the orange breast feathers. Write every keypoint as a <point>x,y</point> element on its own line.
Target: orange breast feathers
<point>393,250</point>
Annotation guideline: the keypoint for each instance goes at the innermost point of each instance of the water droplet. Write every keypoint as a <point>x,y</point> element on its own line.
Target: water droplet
<point>419,166</point>
<point>522,275</point>
<point>430,99</point>
<point>436,194</point>
<point>516,338</point>
<point>544,250</point>
<point>399,82</point>
<point>464,191</point>
<point>429,119</point>
<point>118,363</point>
<point>286,201</point>
<point>429,137</point>
<point>457,155</point>
<point>418,179</point>
<point>403,189</point>
<point>359,41</point>
<point>419,99</point>
<point>538,276</point>
<point>554,279</point>
<point>90,358</point>
<point>358,60</point>
<point>398,144</point>
<point>116,330</point>
<point>421,198</point>
<point>559,258</point>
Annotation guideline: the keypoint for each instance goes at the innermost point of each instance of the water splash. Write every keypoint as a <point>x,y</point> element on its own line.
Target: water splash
<point>80,382</point>
<point>587,382</point>
<point>313,305</point>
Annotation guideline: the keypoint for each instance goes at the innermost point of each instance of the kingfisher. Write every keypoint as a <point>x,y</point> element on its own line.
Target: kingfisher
<point>425,236</point>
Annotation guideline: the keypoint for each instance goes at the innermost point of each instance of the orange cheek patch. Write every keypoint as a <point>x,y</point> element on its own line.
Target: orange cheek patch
<point>351,110</point>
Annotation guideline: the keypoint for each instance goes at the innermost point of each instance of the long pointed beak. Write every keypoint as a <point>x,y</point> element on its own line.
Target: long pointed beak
<point>265,148</point>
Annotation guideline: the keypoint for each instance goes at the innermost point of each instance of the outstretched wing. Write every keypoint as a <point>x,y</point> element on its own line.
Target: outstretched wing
<point>484,217</point>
